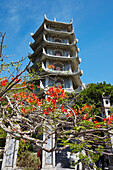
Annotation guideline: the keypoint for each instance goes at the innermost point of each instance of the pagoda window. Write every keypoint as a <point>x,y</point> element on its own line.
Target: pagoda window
<point>56,29</point>
<point>58,66</point>
<point>48,51</point>
<point>66,66</point>
<point>67,83</point>
<point>106,101</point>
<point>58,40</point>
<point>66,41</point>
<point>59,82</point>
<point>49,38</point>
<point>58,52</point>
<point>109,112</point>
<point>104,114</point>
<point>66,53</point>
<point>51,81</point>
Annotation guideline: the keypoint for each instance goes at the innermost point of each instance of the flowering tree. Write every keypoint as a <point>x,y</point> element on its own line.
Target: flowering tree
<point>24,115</point>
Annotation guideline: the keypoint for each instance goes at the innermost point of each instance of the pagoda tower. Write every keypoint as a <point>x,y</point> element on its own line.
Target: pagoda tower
<point>55,51</point>
<point>55,59</point>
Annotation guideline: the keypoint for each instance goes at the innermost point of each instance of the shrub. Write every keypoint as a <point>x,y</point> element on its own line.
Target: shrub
<point>29,161</point>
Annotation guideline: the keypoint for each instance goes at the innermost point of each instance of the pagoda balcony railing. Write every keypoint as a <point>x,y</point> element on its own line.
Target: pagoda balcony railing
<point>62,43</point>
<point>58,31</point>
<point>64,72</point>
<point>78,71</point>
<point>61,56</point>
<point>54,41</point>
<point>52,53</point>
<point>46,54</point>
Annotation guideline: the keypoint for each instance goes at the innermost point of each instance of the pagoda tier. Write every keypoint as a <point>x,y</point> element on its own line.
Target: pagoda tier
<point>55,53</point>
<point>55,45</point>
<point>60,27</point>
<point>54,41</point>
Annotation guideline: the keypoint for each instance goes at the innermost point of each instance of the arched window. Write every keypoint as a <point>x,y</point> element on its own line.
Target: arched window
<point>51,81</point>
<point>106,101</point>
<point>109,112</point>
<point>57,29</point>
<point>58,40</point>
<point>56,82</point>
<point>58,66</point>
<point>58,52</point>
<point>59,82</point>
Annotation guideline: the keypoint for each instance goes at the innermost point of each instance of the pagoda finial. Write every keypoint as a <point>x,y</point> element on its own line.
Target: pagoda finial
<point>71,21</point>
<point>45,16</point>
<point>32,34</point>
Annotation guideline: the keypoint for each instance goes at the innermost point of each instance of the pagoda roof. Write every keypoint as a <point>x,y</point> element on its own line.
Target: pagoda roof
<point>61,73</point>
<point>74,59</point>
<point>44,43</point>
<point>57,23</point>
<point>75,74</point>
<point>64,33</point>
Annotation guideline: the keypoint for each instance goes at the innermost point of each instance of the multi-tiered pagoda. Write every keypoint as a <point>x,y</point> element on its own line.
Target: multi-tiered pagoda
<point>55,50</point>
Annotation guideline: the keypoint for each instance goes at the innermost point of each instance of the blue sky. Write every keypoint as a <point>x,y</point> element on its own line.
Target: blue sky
<point>93,27</point>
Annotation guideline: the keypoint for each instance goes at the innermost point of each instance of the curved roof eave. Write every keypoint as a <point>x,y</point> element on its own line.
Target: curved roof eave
<point>49,21</point>
<point>57,22</point>
<point>72,45</point>
<point>44,56</point>
<point>59,32</point>
<point>61,73</point>
<point>35,35</point>
<point>77,81</point>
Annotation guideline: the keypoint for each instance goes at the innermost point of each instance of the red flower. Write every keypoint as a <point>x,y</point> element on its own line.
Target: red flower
<point>67,115</point>
<point>38,86</point>
<point>1,99</point>
<point>105,120</point>
<point>6,80</point>
<point>45,112</point>
<point>41,101</point>
<point>15,95</point>
<point>95,121</point>
<point>111,117</point>
<point>3,83</point>
<point>97,126</point>
<point>54,102</point>
<point>15,79</point>
<point>63,110</point>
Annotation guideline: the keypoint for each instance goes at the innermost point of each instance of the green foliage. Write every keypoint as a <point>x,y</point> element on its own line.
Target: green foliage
<point>93,94</point>
<point>29,161</point>
<point>3,134</point>
<point>23,146</point>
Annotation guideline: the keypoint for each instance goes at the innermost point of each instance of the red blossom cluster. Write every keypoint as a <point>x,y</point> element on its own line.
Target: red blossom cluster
<point>108,120</point>
<point>51,66</point>
<point>56,92</point>
<point>53,96</point>
<point>3,82</point>
<point>16,79</point>
<point>30,98</point>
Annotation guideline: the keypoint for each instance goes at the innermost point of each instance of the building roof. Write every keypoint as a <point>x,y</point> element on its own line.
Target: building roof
<point>55,23</point>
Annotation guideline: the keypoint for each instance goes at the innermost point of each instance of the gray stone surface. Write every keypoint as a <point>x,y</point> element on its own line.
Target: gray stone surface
<point>10,154</point>
<point>48,159</point>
